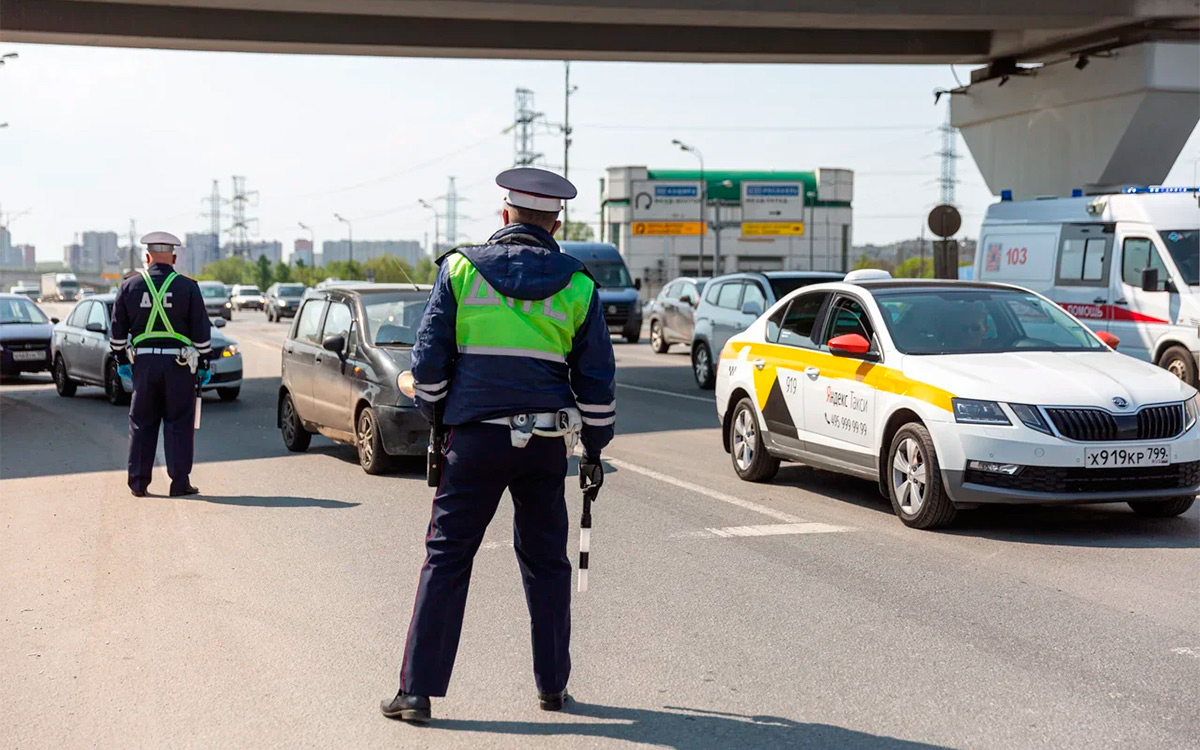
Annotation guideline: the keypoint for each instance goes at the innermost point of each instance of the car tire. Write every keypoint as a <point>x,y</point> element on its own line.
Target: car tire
<point>113,390</point>
<point>632,333</point>
<point>746,447</point>
<point>270,318</point>
<point>1178,361</point>
<point>62,381</point>
<point>702,366</point>
<point>369,443</point>
<point>914,480</point>
<point>229,394</point>
<point>295,437</point>
<point>658,340</point>
<point>1176,506</point>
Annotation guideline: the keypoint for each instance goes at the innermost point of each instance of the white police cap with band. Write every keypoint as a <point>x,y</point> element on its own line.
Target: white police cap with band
<point>161,242</point>
<point>535,189</point>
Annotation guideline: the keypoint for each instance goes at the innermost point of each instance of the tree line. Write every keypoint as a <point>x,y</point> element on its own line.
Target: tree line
<point>386,269</point>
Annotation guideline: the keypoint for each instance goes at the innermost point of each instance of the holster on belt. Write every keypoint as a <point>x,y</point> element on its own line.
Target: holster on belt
<point>564,423</point>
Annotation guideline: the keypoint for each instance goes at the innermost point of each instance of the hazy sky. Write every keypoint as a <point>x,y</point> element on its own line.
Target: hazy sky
<point>99,136</point>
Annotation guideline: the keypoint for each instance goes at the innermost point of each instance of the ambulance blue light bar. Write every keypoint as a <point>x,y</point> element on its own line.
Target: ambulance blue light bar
<point>1161,189</point>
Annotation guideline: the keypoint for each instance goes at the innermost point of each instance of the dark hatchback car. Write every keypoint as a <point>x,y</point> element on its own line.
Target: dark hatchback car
<point>25,334</point>
<point>283,300</point>
<point>672,313</point>
<point>341,364</point>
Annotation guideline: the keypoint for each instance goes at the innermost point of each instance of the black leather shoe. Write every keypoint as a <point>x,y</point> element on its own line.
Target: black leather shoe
<point>407,708</point>
<point>137,493</point>
<point>553,701</point>
<point>189,490</point>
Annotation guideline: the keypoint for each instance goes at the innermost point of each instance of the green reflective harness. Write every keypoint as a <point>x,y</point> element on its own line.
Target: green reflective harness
<point>159,313</point>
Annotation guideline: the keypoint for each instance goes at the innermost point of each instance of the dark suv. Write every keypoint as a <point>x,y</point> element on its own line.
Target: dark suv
<point>734,301</point>
<point>283,300</point>
<point>341,361</point>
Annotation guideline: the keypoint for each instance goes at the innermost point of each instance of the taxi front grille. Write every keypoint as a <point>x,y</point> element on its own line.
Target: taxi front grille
<point>1097,425</point>
<point>1072,480</point>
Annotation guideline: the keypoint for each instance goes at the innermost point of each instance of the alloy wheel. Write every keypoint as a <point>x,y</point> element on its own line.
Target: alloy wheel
<point>744,439</point>
<point>289,422</point>
<point>366,439</point>
<point>700,362</point>
<point>909,476</point>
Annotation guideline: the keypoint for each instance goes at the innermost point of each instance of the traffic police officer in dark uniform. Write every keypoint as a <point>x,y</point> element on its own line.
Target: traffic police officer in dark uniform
<point>159,319</point>
<point>514,347</point>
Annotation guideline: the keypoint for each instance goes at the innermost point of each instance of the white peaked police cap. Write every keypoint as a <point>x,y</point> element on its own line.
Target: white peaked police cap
<point>161,242</point>
<point>535,189</point>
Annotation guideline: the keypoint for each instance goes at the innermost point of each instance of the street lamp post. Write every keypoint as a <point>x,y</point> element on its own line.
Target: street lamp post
<point>312,243</point>
<point>349,232</point>
<point>703,200</point>
<point>436,218</point>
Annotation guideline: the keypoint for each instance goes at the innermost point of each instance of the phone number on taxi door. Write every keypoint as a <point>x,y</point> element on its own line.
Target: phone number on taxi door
<point>852,426</point>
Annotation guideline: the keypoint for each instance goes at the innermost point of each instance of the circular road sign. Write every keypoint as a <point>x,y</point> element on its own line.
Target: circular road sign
<point>944,221</point>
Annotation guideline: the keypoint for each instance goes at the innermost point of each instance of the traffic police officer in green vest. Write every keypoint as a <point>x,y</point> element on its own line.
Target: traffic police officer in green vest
<point>514,357</point>
<point>160,337</point>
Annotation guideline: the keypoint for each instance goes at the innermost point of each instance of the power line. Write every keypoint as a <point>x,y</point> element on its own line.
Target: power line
<point>762,128</point>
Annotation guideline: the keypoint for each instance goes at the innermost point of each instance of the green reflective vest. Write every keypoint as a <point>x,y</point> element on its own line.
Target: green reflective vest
<point>489,323</point>
<point>159,313</point>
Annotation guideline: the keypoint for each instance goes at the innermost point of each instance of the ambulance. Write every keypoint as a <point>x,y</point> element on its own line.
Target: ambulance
<point>1125,263</point>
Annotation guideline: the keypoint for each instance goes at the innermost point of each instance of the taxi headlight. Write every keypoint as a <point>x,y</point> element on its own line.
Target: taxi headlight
<point>1030,417</point>
<point>969,411</point>
<point>229,351</point>
<point>1191,411</point>
<point>405,382</point>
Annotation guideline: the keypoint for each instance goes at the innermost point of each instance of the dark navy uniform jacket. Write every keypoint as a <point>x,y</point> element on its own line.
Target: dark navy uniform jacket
<point>522,262</point>
<point>184,305</point>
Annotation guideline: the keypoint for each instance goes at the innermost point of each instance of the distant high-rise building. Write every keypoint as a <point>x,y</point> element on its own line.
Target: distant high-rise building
<point>7,256</point>
<point>273,251</point>
<point>197,252</point>
<point>28,255</point>
<point>99,252</point>
<point>302,251</point>
<point>408,251</point>
<point>71,255</point>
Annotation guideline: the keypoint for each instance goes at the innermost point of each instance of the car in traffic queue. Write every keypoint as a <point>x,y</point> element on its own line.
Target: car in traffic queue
<point>25,335</point>
<point>82,355</point>
<point>620,300</point>
<point>283,300</point>
<point>216,300</point>
<point>247,297</point>
<point>731,303</point>
<point>342,365</point>
<point>672,313</point>
<point>955,394</point>
<point>31,291</point>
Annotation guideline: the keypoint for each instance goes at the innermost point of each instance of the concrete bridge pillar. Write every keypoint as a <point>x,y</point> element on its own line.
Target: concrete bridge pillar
<point>1093,122</point>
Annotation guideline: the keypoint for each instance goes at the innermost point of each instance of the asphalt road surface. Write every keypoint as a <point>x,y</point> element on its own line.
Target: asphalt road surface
<point>271,611</point>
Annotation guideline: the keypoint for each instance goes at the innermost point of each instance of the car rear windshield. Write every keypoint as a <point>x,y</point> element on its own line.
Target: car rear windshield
<point>212,291</point>
<point>785,286</point>
<point>291,290</point>
<point>971,321</point>
<point>608,273</point>
<point>393,317</point>
<point>1184,245</point>
<point>20,311</point>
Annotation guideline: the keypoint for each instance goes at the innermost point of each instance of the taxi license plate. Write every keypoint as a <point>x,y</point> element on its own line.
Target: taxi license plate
<point>1118,458</point>
<point>27,356</point>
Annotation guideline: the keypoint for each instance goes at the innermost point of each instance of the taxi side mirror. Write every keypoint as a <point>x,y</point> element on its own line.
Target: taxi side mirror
<point>1109,340</point>
<point>853,345</point>
<point>334,343</point>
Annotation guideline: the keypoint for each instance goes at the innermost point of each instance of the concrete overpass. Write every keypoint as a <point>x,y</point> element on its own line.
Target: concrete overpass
<point>914,31</point>
<point>1116,100</point>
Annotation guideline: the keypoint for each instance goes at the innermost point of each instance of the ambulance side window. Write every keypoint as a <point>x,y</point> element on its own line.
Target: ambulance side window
<point>1138,253</point>
<point>800,320</point>
<point>1083,257</point>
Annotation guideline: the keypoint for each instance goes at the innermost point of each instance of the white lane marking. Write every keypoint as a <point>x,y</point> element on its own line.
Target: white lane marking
<point>1185,651</point>
<point>711,401</point>
<point>777,529</point>
<point>700,490</point>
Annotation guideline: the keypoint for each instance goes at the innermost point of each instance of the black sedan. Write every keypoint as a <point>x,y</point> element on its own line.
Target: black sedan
<point>341,364</point>
<point>25,334</point>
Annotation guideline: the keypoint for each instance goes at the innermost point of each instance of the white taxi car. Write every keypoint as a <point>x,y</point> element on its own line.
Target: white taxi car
<point>954,394</point>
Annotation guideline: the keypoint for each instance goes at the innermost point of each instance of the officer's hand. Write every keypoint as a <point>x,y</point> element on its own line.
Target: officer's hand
<point>591,472</point>
<point>125,371</point>
<point>203,376</point>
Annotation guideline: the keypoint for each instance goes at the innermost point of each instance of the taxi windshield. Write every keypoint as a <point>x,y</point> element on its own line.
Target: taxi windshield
<point>20,311</point>
<point>393,317</point>
<point>979,320</point>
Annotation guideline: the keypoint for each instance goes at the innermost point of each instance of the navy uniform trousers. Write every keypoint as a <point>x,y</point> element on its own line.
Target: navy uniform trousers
<point>480,464</point>
<point>164,393</point>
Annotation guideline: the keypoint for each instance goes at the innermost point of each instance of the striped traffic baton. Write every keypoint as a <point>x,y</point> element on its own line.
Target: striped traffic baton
<point>591,476</point>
